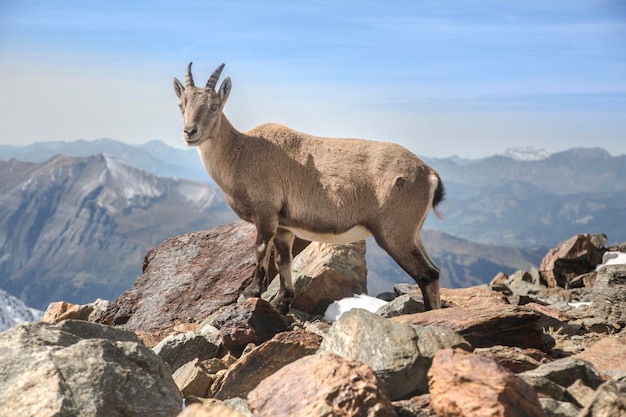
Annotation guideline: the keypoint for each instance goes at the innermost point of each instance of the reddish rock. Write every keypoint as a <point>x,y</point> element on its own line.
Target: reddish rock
<point>470,385</point>
<point>607,355</point>
<point>323,384</point>
<point>459,297</point>
<point>486,325</point>
<point>245,374</point>
<point>576,256</point>
<point>253,321</point>
<point>187,278</point>
<point>514,359</point>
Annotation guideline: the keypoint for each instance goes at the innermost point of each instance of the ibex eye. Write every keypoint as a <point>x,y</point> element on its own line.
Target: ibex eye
<point>213,107</point>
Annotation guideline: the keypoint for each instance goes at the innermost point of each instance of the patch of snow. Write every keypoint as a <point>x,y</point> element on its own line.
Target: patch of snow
<point>365,302</point>
<point>613,258</point>
<point>580,304</point>
<point>527,153</point>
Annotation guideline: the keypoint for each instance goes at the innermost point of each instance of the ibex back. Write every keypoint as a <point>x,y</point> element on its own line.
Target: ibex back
<point>330,190</point>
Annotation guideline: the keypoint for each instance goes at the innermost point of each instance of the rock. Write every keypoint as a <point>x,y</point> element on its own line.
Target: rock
<point>514,359</point>
<point>327,385</point>
<point>466,384</point>
<point>608,297</point>
<point>253,321</point>
<point>178,349</point>
<point>60,310</point>
<point>516,326</point>
<point>187,278</point>
<point>609,401</point>
<point>415,407</point>
<point>245,374</point>
<point>608,355</point>
<point>398,353</point>
<point>404,304</point>
<point>323,273</point>
<point>193,379</point>
<point>211,409</point>
<point>554,408</point>
<point>459,297</point>
<point>576,256</point>
<point>82,369</point>
<point>568,379</point>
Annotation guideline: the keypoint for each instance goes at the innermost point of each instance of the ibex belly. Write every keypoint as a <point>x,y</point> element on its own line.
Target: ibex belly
<point>352,235</point>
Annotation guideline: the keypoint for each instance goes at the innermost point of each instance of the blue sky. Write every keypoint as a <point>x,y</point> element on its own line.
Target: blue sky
<point>470,78</point>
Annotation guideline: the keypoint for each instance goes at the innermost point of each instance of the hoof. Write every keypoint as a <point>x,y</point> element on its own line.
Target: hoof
<point>281,305</point>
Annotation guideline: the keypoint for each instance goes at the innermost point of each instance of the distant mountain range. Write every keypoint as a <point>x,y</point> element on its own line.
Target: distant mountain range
<point>504,201</point>
<point>77,228</point>
<point>154,157</point>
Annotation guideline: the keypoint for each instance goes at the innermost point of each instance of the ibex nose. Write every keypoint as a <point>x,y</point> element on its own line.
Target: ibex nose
<point>190,131</point>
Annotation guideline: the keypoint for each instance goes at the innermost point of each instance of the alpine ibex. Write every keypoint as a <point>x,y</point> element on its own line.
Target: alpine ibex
<point>329,190</point>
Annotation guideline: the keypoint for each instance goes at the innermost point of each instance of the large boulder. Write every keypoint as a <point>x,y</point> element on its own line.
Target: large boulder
<point>187,278</point>
<point>576,256</point>
<point>323,273</point>
<point>398,353</point>
<point>82,369</point>
<point>323,384</point>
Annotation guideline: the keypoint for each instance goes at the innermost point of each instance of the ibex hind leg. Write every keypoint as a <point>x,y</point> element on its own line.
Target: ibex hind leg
<point>414,259</point>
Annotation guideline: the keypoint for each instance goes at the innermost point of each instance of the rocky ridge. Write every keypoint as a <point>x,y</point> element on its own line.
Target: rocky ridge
<point>521,346</point>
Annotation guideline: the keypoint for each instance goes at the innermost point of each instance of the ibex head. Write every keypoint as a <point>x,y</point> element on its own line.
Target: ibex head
<point>201,106</point>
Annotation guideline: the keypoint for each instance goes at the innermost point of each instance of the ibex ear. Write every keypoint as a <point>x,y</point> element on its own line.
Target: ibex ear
<point>178,88</point>
<point>225,90</point>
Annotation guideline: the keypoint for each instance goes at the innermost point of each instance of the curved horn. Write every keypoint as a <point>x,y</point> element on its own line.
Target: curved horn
<point>189,77</point>
<point>214,77</point>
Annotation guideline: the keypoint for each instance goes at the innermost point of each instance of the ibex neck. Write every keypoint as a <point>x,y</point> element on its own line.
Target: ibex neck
<point>220,152</point>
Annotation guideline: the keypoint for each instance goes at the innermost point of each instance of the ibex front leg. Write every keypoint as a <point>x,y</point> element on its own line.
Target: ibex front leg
<point>282,245</point>
<point>265,233</point>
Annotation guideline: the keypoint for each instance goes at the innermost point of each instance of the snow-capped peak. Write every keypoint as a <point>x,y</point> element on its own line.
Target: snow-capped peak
<point>527,153</point>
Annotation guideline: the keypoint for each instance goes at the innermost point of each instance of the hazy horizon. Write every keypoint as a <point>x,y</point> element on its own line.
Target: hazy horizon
<point>458,78</point>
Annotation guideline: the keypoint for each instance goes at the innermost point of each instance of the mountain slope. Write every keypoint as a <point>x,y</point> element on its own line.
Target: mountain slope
<point>14,311</point>
<point>75,229</point>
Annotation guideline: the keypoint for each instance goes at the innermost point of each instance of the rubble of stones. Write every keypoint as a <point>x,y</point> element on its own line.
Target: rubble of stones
<point>546,342</point>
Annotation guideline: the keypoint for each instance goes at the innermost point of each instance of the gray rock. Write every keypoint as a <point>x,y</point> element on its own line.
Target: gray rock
<point>399,353</point>
<point>554,408</point>
<point>564,380</point>
<point>178,349</point>
<point>404,304</point>
<point>608,298</point>
<point>82,369</point>
<point>608,401</point>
